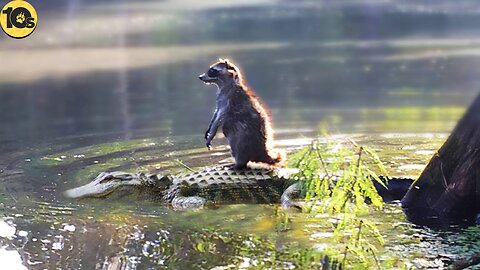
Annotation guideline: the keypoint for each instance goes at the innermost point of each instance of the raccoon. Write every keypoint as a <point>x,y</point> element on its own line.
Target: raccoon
<point>244,121</point>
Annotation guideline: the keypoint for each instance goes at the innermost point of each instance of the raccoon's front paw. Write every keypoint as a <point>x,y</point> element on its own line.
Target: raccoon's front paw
<point>208,138</point>
<point>209,143</point>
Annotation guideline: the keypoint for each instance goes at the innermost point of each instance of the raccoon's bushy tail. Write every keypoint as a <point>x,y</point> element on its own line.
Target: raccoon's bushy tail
<point>277,157</point>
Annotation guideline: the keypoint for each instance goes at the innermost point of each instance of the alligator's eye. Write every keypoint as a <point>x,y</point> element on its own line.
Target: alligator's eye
<point>106,178</point>
<point>212,72</point>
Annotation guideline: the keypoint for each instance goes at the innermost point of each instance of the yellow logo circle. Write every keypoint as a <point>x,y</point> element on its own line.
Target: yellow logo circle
<point>18,19</point>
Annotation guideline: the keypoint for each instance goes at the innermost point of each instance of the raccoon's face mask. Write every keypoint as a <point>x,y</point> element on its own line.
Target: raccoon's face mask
<point>218,72</point>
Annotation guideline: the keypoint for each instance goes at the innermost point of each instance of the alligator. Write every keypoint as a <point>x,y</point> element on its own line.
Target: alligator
<point>217,185</point>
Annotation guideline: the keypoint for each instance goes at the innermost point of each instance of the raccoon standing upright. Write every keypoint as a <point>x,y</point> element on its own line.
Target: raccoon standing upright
<point>244,121</point>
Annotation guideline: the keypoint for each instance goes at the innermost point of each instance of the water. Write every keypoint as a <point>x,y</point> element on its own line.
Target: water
<point>113,86</point>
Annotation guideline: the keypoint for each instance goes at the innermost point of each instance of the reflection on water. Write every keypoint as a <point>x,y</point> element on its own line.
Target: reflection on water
<point>131,230</point>
<point>112,85</point>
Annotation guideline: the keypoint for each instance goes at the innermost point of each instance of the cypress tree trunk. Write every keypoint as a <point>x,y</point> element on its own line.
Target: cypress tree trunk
<point>448,190</point>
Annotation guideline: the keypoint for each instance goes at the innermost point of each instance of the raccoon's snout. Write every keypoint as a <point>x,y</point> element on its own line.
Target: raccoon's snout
<point>204,77</point>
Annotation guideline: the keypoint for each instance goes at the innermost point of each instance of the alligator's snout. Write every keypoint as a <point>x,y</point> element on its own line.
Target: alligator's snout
<point>92,189</point>
<point>104,184</point>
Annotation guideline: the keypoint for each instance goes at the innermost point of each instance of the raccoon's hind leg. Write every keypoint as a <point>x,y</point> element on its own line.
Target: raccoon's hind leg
<point>241,159</point>
<point>236,151</point>
<point>246,153</point>
<point>240,163</point>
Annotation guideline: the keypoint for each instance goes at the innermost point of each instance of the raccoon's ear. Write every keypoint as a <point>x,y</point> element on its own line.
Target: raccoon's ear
<point>234,74</point>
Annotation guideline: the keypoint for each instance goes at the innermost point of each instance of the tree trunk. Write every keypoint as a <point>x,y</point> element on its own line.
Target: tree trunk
<point>447,191</point>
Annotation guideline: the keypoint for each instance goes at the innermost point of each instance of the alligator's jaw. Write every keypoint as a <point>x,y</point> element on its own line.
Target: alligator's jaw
<point>103,184</point>
<point>91,190</point>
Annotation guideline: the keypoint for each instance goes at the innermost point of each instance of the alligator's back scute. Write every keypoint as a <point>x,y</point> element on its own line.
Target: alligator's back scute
<point>222,185</point>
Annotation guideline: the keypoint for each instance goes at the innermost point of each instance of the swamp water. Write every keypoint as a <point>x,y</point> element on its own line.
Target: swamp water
<point>114,87</point>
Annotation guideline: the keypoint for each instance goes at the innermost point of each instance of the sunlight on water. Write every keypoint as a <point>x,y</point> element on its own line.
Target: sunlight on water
<point>11,259</point>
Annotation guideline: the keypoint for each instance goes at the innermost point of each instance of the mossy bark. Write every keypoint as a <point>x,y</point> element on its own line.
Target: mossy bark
<point>448,190</point>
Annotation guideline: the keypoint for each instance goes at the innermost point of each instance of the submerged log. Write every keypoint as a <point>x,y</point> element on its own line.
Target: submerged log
<point>448,189</point>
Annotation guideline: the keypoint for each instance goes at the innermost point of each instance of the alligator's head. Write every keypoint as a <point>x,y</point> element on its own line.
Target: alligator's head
<point>107,182</point>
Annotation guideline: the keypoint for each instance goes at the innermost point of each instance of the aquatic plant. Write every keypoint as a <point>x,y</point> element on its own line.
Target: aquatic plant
<point>337,180</point>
